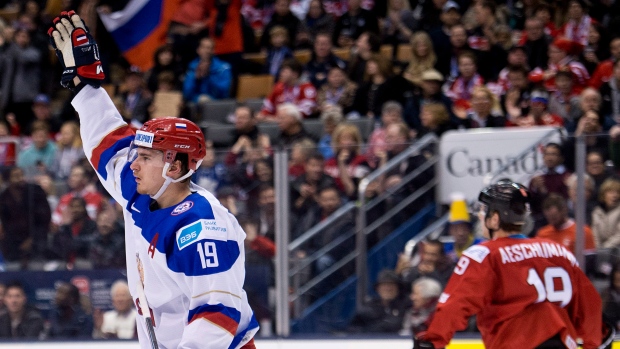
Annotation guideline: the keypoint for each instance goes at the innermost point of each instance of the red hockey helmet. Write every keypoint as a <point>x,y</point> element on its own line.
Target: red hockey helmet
<point>171,136</point>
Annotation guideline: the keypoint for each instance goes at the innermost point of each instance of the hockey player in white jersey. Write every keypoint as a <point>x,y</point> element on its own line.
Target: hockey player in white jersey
<point>182,246</point>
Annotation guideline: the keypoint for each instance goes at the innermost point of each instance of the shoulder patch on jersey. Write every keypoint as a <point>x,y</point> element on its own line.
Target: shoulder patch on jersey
<point>477,252</point>
<point>198,230</point>
<point>189,234</point>
<point>182,207</point>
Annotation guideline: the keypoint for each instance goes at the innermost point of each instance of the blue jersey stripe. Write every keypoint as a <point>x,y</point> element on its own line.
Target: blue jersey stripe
<point>252,325</point>
<point>109,153</point>
<point>232,313</point>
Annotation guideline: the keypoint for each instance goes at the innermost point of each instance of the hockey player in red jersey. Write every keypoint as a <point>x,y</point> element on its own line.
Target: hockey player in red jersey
<point>527,293</point>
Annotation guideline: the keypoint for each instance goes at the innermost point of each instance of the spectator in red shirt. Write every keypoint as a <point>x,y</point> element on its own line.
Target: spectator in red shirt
<point>78,186</point>
<point>604,71</point>
<point>289,89</point>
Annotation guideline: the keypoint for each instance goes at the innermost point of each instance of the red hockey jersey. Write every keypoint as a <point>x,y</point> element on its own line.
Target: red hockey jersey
<point>524,291</point>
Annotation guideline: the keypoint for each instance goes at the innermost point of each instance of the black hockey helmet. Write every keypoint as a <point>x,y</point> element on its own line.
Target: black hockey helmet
<point>509,199</point>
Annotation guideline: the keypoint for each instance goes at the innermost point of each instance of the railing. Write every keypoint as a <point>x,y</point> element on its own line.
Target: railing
<point>362,230</point>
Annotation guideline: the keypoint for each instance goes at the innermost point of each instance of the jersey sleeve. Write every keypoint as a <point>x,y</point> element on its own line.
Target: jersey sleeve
<point>469,289</point>
<point>209,252</point>
<point>585,311</point>
<point>106,137</point>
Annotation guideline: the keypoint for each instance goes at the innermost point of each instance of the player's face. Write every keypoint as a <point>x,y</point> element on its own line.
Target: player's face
<point>147,168</point>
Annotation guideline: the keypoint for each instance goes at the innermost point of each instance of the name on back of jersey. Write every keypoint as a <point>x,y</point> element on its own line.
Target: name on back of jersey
<point>199,230</point>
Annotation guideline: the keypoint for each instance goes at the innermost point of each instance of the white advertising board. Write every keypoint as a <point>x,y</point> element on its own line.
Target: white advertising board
<point>471,159</point>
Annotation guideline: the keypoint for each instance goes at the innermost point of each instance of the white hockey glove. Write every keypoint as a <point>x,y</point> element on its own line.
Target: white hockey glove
<point>77,51</point>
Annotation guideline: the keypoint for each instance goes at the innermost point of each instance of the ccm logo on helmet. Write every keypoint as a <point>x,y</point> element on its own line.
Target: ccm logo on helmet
<point>181,146</point>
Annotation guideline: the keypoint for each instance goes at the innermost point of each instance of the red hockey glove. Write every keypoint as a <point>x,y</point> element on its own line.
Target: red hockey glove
<point>76,50</point>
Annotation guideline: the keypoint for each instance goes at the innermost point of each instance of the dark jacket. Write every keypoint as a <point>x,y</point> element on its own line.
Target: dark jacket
<point>353,26</point>
<point>77,325</point>
<point>374,317</point>
<point>317,71</point>
<point>25,213</point>
<point>30,327</point>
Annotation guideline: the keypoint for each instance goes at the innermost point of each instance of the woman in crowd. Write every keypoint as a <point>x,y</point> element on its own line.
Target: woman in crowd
<point>349,165</point>
<point>606,216</point>
<point>485,110</point>
<point>423,57</point>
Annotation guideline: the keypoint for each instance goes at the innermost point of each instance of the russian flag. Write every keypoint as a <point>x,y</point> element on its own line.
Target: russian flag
<point>181,126</point>
<point>140,28</point>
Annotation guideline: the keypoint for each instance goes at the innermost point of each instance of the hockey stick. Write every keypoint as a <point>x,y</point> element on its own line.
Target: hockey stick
<point>147,316</point>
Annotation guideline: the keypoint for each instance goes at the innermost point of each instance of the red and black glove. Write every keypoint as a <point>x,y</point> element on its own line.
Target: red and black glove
<point>76,50</point>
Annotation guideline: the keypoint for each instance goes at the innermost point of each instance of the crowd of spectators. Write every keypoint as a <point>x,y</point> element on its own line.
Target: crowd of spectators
<point>467,65</point>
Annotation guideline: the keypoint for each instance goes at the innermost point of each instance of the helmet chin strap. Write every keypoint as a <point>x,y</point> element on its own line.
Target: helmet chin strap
<point>169,180</point>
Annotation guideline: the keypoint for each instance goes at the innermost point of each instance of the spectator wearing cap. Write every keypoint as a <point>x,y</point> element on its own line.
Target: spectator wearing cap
<point>536,43</point>
<point>42,110</point>
<point>460,229</point>
<point>207,77</point>
<point>578,26</point>
<point>440,36</point>
<point>539,114</point>
<point>562,54</point>
<point>21,77</point>
<point>429,91</point>
<point>383,313</point>
<point>289,89</point>
<point>605,70</point>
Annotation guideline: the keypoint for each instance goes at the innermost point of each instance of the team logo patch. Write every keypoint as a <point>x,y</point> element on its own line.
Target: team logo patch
<point>182,207</point>
<point>189,234</point>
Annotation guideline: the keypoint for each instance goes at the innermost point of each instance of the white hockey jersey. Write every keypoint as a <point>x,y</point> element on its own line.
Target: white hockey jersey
<point>190,257</point>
